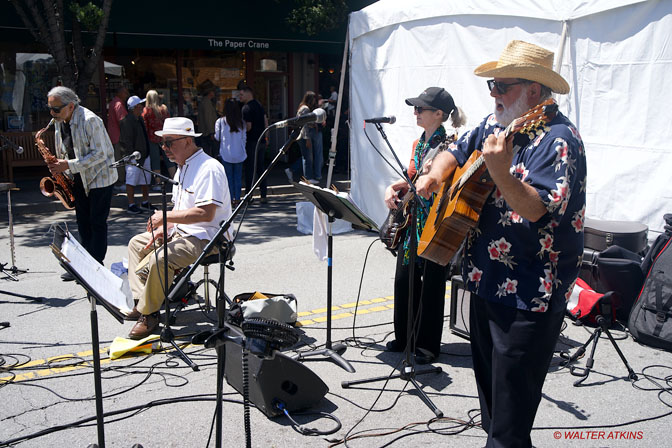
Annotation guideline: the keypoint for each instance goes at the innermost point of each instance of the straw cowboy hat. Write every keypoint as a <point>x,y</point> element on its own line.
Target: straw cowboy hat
<point>525,61</point>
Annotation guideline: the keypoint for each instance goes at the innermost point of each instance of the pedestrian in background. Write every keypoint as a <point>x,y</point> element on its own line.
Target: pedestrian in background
<point>310,140</point>
<point>207,115</point>
<point>116,111</point>
<point>230,132</point>
<point>255,122</point>
<point>134,138</point>
<point>154,114</point>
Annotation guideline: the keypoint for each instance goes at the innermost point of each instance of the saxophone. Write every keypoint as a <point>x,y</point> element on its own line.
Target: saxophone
<point>60,185</point>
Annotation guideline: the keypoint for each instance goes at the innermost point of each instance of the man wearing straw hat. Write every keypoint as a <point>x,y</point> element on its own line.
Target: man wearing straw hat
<point>522,258</point>
<point>201,201</point>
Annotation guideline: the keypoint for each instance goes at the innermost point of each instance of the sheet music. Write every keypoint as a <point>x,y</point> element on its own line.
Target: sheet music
<point>99,278</point>
<point>357,216</point>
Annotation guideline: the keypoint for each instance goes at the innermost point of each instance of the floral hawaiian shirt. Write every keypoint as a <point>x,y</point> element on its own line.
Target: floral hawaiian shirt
<point>510,260</point>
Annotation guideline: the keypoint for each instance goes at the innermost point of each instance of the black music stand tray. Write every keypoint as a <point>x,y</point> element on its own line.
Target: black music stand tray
<point>95,295</point>
<point>335,206</point>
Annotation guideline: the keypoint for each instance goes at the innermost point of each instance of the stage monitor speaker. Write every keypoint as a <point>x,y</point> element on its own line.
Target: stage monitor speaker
<point>460,299</point>
<point>273,380</point>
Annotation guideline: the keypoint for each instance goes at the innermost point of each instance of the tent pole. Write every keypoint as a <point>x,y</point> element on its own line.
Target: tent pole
<point>559,55</point>
<point>337,118</point>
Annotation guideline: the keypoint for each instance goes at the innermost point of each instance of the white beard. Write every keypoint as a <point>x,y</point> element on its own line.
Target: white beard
<point>517,109</point>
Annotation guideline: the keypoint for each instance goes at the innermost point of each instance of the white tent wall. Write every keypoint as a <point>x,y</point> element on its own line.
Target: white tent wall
<point>617,59</point>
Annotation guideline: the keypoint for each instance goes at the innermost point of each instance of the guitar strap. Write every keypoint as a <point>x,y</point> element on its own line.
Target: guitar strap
<point>422,148</point>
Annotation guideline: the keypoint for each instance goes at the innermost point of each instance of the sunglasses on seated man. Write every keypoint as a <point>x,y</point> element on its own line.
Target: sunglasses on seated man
<point>169,143</point>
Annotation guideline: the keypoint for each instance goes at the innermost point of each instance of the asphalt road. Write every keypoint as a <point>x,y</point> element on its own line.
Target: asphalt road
<point>156,400</point>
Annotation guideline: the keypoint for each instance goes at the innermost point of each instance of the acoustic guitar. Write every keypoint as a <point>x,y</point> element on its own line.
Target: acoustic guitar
<point>458,206</point>
<point>392,230</point>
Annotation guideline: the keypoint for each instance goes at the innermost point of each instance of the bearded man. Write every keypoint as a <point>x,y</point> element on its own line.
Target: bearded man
<point>522,258</point>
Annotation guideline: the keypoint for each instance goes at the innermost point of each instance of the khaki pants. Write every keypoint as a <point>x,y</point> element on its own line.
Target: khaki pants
<point>182,251</point>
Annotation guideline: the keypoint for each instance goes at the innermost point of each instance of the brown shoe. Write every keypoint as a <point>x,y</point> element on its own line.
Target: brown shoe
<point>145,326</point>
<point>133,315</point>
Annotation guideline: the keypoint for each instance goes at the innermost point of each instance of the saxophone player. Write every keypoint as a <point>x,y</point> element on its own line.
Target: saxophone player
<point>84,150</point>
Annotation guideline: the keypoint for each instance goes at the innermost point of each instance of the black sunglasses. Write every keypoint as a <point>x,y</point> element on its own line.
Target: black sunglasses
<point>421,109</point>
<point>502,87</point>
<point>169,143</point>
<point>56,109</point>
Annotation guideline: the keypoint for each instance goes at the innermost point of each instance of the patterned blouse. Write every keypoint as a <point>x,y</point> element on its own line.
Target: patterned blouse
<point>530,265</point>
<point>154,123</point>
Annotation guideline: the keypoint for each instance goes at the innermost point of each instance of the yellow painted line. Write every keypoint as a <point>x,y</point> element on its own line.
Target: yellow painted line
<point>86,363</point>
<point>378,308</point>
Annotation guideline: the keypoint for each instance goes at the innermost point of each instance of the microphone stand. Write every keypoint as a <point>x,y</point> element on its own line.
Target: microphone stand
<point>224,227</point>
<point>408,371</point>
<point>167,334</point>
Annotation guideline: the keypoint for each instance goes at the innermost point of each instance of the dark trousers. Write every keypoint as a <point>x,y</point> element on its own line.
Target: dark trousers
<point>511,351</point>
<point>210,145</point>
<point>92,212</point>
<point>248,168</point>
<point>429,291</point>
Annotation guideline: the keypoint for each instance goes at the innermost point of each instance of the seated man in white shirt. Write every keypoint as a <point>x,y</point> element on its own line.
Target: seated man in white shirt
<point>201,201</point>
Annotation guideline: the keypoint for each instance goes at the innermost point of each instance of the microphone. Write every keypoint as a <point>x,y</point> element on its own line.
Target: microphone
<point>391,119</point>
<point>129,159</point>
<point>7,142</point>
<point>316,116</point>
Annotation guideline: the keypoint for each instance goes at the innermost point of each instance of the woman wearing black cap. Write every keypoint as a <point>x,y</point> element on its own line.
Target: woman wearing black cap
<point>432,107</point>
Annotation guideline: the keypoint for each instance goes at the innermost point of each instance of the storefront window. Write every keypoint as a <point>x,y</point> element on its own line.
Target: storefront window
<point>24,101</point>
<point>205,72</point>
<point>270,83</point>
<point>150,70</point>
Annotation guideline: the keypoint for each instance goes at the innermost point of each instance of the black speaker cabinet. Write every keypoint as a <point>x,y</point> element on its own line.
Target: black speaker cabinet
<point>460,299</point>
<point>273,380</point>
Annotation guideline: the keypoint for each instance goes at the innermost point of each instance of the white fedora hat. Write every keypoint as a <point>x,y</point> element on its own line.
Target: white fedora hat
<point>178,126</point>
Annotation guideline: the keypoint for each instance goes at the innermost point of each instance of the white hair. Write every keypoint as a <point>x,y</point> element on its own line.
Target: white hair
<point>64,94</point>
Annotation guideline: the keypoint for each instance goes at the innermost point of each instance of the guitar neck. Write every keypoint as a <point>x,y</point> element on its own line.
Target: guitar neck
<point>535,115</point>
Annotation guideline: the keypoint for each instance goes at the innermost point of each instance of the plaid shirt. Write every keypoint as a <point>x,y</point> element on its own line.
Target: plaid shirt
<point>93,149</point>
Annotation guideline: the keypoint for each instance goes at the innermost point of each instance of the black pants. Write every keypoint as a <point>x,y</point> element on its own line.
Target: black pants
<point>429,291</point>
<point>92,212</point>
<point>511,351</point>
<point>248,168</point>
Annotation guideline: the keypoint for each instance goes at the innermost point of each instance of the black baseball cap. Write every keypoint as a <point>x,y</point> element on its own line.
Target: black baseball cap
<point>434,97</point>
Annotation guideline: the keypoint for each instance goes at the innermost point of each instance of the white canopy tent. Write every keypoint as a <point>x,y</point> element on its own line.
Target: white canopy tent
<point>615,54</point>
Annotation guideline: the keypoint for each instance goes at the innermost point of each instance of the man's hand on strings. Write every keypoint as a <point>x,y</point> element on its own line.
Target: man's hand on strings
<point>498,155</point>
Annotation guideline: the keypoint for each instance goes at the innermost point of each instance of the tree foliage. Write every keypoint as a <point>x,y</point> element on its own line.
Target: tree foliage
<point>76,51</point>
<point>315,16</point>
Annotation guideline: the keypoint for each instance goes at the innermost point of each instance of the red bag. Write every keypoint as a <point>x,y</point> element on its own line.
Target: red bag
<point>583,304</point>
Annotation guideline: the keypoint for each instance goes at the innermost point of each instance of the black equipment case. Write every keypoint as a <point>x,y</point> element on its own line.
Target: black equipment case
<point>598,235</point>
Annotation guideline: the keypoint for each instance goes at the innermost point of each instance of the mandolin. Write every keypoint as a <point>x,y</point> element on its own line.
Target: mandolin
<point>458,205</point>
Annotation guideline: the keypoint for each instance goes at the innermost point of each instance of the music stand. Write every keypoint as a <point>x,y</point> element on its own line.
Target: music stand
<point>11,272</point>
<point>335,206</point>
<point>100,288</point>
